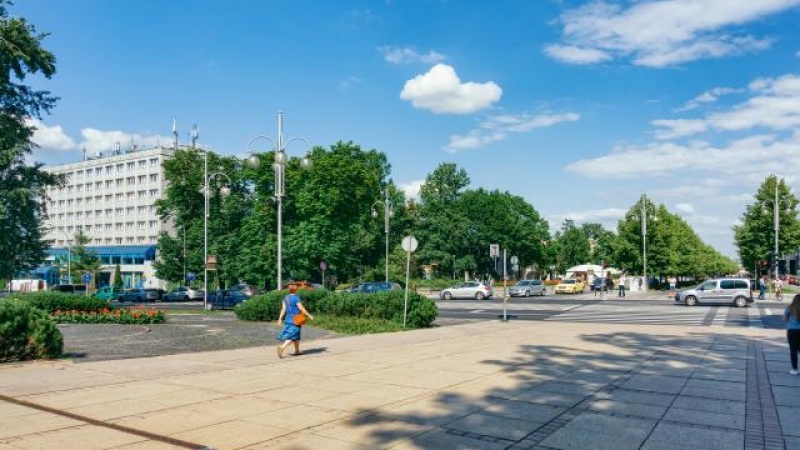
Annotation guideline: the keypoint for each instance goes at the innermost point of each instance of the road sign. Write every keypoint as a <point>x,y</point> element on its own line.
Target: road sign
<point>409,243</point>
<point>191,276</point>
<point>87,277</point>
<point>494,250</point>
<point>514,260</point>
<point>323,266</point>
<point>515,267</point>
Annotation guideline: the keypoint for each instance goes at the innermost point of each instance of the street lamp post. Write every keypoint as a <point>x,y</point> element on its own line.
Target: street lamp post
<point>69,255</point>
<point>206,188</point>
<point>388,213</point>
<point>644,241</point>
<point>776,217</point>
<point>280,183</point>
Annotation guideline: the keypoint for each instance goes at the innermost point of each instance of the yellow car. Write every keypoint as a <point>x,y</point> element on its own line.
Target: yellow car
<point>570,287</point>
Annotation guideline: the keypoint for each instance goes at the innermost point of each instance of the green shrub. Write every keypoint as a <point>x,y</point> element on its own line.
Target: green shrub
<point>435,284</point>
<point>27,332</point>
<point>381,305</point>
<point>59,301</point>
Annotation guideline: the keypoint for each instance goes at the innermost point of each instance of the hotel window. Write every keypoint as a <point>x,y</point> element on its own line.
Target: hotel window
<point>120,181</point>
<point>98,184</point>
<point>119,226</point>
<point>69,229</point>
<point>98,198</point>
<point>79,215</point>
<point>153,177</point>
<point>120,196</point>
<point>142,179</point>
<point>88,228</point>
<point>153,239</point>
<point>69,202</point>
<point>69,216</point>
<point>120,168</point>
<point>131,166</point>
<point>128,225</point>
<point>109,183</point>
<point>131,181</point>
<point>61,216</point>
<point>69,189</point>
<point>98,213</point>
<point>119,212</point>
<point>109,212</point>
<point>142,210</point>
<point>130,210</point>
<point>79,201</point>
<point>118,241</point>
<point>141,194</point>
<point>109,226</point>
<point>89,186</point>
<point>153,162</point>
<point>153,224</point>
<point>130,195</point>
<point>61,203</point>
<point>78,187</point>
<point>140,239</point>
<point>98,241</point>
<point>141,225</point>
<point>109,169</point>
<point>142,163</point>
<point>129,240</point>
<point>88,214</point>
<point>153,192</point>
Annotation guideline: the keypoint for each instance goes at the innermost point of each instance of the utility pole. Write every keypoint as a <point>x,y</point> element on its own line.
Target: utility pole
<point>777,226</point>
<point>644,240</point>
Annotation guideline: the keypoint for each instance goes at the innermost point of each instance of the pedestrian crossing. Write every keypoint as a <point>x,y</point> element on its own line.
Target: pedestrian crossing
<point>711,316</point>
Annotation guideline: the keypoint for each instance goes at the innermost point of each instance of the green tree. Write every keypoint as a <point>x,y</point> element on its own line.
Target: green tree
<point>755,237</point>
<point>83,260</point>
<point>573,246</point>
<point>22,186</point>
<point>603,243</point>
<point>119,283</point>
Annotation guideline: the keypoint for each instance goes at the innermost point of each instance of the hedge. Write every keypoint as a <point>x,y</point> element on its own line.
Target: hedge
<point>387,305</point>
<point>27,332</point>
<point>59,301</point>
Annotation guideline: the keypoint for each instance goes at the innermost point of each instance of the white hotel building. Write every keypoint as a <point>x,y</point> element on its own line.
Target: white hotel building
<point>111,198</point>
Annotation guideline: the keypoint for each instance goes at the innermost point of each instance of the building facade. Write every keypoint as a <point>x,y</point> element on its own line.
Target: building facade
<point>111,199</point>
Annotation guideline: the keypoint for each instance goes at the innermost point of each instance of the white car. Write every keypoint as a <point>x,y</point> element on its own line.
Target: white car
<point>184,294</point>
<point>526,288</point>
<point>472,289</point>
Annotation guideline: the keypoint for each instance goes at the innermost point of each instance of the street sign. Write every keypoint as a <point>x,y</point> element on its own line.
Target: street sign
<point>323,266</point>
<point>87,277</point>
<point>514,260</point>
<point>494,250</point>
<point>191,276</point>
<point>515,267</point>
<point>409,243</point>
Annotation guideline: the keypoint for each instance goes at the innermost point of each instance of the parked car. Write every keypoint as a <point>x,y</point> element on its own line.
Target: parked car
<point>726,291</point>
<point>570,286</point>
<point>107,293</point>
<point>70,288</point>
<point>472,289</point>
<point>526,288</point>
<point>375,286</point>
<point>138,295</point>
<point>227,299</point>
<point>606,284</point>
<point>184,294</point>
<point>248,289</point>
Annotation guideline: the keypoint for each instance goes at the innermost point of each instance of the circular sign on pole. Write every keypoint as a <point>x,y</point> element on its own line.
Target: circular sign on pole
<point>514,260</point>
<point>515,267</point>
<point>323,265</point>
<point>409,243</point>
<point>87,277</point>
<point>191,276</point>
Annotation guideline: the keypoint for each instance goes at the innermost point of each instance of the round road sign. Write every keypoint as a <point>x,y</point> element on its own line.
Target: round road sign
<point>409,243</point>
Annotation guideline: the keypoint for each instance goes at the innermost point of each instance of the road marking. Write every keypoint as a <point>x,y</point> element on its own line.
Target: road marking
<point>477,311</point>
<point>572,307</point>
<point>768,311</point>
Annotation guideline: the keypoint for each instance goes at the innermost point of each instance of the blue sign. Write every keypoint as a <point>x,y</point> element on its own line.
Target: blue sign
<point>191,276</point>
<point>87,277</point>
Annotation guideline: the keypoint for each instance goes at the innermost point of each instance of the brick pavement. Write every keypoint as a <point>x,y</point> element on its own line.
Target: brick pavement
<point>488,385</point>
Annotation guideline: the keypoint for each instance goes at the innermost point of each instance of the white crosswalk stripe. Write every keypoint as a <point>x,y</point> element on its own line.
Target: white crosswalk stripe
<point>645,315</point>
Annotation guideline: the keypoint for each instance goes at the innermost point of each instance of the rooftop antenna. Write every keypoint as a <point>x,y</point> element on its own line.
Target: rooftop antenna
<point>83,150</point>
<point>175,131</point>
<point>195,135</point>
<point>117,150</point>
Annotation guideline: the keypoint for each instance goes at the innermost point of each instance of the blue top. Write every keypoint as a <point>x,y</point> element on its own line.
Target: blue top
<point>793,323</point>
<point>292,309</point>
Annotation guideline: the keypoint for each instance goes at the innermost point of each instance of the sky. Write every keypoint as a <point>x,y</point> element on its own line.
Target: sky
<point>580,107</point>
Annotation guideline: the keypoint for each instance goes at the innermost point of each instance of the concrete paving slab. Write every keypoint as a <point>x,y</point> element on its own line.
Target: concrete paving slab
<point>790,420</point>
<point>786,396</point>
<point>374,434</point>
<point>686,436</point>
<point>591,430</point>
<point>520,410</point>
<point>715,385</point>
<point>628,409</point>
<point>738,396</point>
<point>296,418</point>
<point>34,423</point>
<point>688,416</point>
<point>84,437</point>
<point>641,397</point>
<point>149,445</point>
<point>654,383</point>
<point>549,398</point>
<point>707,373</point>
<point>496,426</point>
<point>791,442</point>
<point>442,439</point>
<point>784,379</point>
<point>306,442</point>
<point>711,405</point>
<point>232,435</point>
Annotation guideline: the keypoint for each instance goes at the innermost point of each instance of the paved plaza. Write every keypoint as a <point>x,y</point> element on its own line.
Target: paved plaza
<point>481,385</point>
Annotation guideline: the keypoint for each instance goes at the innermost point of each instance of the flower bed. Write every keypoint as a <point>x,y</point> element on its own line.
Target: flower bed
<point>138,315</point>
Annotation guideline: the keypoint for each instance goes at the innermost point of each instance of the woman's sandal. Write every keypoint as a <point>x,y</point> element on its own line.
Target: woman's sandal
<point>280,352</point>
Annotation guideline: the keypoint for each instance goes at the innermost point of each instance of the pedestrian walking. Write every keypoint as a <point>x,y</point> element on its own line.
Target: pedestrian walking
<point>778,289</point>
<point>792,315</point>
<point>621,286</point>
<point>673,282</point>
<point>762,287</point>
<point>292,319</point>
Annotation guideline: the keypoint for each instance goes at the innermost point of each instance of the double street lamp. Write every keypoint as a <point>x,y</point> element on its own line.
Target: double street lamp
<point>646,283</point>
<point>388,213</point>
<point>207,177</point>
<point>280,183</point>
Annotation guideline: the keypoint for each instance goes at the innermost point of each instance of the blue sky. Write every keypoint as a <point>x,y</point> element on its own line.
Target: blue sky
<point>579,107</point>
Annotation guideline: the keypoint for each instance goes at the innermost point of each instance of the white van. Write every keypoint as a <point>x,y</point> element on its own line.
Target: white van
<point>26,286</point>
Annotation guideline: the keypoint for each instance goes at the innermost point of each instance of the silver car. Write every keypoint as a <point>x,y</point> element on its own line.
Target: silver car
<point>526,288</point>
<point>472,289</point>
<point>184,294</point>
<point>726,291</point>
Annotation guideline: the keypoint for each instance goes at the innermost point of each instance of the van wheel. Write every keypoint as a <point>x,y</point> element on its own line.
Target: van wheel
<point>527,293</point>
<point>544,291</point>
<point>480,296</point>
<point>740,302</point>
<point>690,300</point>
<point>447,296</point>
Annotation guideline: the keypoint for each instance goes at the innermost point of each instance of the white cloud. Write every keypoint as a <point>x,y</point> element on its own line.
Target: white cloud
<point>607,217</point>
<point>576,55</point>
<point>411,188</point>
<point>349,82</point>
<point>748,159</point>
<point>442,92</point>
<point>684,208</point>
<point>675,128</point>
<point>98,140</point>
<point>50,138</point>
<point>661,33</point>
<point>707,97</point>
<point>407,55</point>
<point>497,128</point>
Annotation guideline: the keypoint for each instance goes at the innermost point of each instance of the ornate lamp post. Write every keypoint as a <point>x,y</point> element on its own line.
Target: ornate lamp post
<point>388,213</point>
<point>280,183</point>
